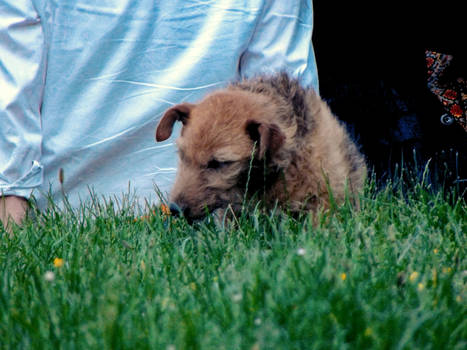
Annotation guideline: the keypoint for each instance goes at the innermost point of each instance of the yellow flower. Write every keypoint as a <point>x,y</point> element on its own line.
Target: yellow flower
<point>193,285</point>
<point>165,302</point>
<point>413,276</point>
<point>255,346</point>
<point>421,287</point>
<point>58,262</point>
<point>435,250</point>
<point>368,332</point>
<point>343,276</point>
<point>447,269</point>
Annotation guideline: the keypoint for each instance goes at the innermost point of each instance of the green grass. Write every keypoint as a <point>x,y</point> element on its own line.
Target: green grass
<point>390,276</point>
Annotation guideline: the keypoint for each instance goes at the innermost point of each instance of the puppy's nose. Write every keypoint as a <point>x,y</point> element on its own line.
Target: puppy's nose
<point>175,209</point>
<point>179,210</point>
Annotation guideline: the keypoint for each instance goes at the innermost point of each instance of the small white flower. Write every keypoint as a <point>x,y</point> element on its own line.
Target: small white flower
<point>237,297</point>
<point>49,276</point>
<point>170,347</point>
<point>301,251</point>
<point>258,321</point>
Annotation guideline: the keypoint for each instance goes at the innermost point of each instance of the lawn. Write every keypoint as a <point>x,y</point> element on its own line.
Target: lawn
<point>391,275</point>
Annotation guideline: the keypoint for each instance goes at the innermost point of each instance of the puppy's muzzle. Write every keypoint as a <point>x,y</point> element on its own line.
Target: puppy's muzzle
<point>176,210</point>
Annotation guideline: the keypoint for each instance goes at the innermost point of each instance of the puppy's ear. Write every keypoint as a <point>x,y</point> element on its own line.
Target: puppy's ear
<point>268,137</point>
<point>179,112</point>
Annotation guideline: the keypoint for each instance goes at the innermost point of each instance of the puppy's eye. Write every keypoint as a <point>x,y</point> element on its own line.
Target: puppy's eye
<point>215,164</point>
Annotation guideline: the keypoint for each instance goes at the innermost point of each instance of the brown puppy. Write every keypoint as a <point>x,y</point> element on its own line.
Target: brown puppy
<point>266,136</point>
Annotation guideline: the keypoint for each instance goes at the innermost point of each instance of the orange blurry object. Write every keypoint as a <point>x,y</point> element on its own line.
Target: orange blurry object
<point>165,209</point>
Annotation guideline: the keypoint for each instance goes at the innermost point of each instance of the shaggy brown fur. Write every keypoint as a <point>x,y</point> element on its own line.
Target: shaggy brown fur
<point>266,136</point>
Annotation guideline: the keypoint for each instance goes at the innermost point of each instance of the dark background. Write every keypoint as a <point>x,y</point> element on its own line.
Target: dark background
<point>371,67</point>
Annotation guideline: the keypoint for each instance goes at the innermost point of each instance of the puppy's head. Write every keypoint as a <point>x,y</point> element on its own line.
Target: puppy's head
<point>221,138</point>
